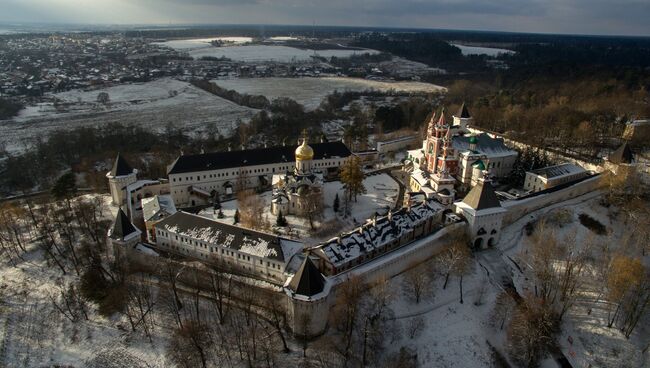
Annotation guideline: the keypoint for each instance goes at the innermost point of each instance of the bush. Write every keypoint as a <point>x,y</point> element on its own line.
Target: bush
<point>110,297</point>
<point>592,224</point>
<point>560,217</point>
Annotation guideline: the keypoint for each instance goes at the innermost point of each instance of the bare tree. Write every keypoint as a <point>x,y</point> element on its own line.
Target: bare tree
<point>251,210</point>
<point>139,307</point>
<point>454,257</point>
<point>346,317</point>
<point>415,326</point>
<point>314,206</point>
<point>417,283</point>
<point>70,303</point>
<point>531,331</point>
<point>503,307</point>
<point>103,98</point>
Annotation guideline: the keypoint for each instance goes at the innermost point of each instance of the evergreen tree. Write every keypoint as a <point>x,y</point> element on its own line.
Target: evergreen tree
<point>220,214</point>
<point>236,217</point>
<point>65,187</point>
<point>280,220</point>
<point>337,203</point>
<point>352,176</point>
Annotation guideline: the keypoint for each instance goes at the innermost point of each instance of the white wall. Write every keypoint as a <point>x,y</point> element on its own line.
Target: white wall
<point>519,208</point>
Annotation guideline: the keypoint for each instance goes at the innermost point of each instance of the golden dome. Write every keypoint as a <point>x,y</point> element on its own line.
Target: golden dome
<point>304,152</point>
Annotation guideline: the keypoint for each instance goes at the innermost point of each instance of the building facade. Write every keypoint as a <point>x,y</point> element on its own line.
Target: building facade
<point>259,254</point>
<point>549,177</point>
<point>195,179</point>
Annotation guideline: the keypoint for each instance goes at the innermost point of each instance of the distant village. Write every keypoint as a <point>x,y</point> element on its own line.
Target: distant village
<point>33,65</point>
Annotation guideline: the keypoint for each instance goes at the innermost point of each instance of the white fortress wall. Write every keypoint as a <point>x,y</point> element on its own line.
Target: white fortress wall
<point>519,208</point>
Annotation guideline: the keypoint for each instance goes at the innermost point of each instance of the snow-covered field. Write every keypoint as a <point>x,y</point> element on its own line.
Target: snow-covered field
<point>477,50</point>
<point>310,92</point>
<point>451,334</point>
<point>279,53</point>
<point>154,105</point>
<point>198,48</point>
<point>196,43</point>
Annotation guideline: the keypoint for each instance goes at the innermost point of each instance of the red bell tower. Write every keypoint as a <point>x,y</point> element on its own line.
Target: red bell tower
<point>435,136</point>
<point>448,162</point>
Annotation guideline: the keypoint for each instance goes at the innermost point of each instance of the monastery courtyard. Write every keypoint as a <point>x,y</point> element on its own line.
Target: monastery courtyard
<point>382,193</point>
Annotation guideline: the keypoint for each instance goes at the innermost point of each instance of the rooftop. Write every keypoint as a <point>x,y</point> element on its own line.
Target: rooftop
<point>253,157</point>
<point>482,196</point>
<point>235,237</point>
<point>154,207</point>
<point>559,170</point>
<point>369,237</point>
<point>484,144</point>
<point>122,227</point>
<point>622,155</point>
<point>308,280</point>
<point>463,112</point>
<point>121,167</point>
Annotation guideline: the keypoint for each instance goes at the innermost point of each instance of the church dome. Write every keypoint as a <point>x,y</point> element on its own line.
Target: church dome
<point>304,152</point>
<point>473,140</point>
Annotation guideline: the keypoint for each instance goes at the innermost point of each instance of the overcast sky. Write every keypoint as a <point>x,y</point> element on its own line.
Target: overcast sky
<point>623,17</point>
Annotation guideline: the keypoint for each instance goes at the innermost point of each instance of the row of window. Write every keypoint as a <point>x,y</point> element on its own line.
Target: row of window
<point>223,251</point>
<point>252,171</point>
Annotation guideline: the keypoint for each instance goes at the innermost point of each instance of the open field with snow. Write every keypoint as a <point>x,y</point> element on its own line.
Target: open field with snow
<point>310,92</point>
<point>153,105</point>
<point>477,50</point>
<point>198,48</point>
<point>197,43</point>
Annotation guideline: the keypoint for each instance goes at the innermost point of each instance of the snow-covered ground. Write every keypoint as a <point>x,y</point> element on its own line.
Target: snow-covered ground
<point>451,334</point>
<point>260,53</point>
<point>381,193</point>
<point>593,343</point>
<point>310,92</point>
<point>197,43</point>
<point>477,50</point>
<point>154,105</point>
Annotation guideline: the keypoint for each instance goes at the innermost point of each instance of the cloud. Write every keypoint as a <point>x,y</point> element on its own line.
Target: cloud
<point>551,16</point>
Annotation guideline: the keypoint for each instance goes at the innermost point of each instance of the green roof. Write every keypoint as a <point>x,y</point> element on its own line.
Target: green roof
<point>479,164</point>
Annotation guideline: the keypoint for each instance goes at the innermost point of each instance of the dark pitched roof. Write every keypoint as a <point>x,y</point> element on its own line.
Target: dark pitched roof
<point>463,112</point>
<point>121,167</point>
<point>122,226</point>
<point>259,156</point>
<point>482,196</point>
<point>230,236</point>
<point>622,155</point>
<point>308,280</point>
<point>484,143</point>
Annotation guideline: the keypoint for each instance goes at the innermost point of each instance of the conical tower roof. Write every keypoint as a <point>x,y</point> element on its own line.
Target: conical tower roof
<point>122,227</point>
<point>622,155</point>
<point>308,280</point>
<point>441,121</point>
<point>463,112</point>
<point>482,196</point>
<point>121,167</point>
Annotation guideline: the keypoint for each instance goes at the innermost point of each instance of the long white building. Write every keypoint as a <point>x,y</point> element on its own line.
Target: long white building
<point>258,254</point>
<point>195,179</point>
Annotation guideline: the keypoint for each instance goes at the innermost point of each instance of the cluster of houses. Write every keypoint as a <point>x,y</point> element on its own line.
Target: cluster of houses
<point>64,62</point>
